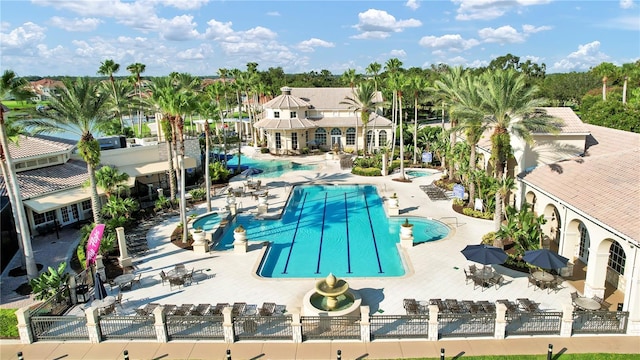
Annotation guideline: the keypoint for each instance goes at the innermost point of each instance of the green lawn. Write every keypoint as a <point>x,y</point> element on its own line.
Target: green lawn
<point>8,323</point>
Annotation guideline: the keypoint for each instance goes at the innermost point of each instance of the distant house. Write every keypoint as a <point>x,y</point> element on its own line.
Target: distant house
<point>44,89</point>
<point>314,117</point>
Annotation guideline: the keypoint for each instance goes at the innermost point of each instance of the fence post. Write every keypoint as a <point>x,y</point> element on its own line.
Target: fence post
<point>228,357</point>
<point>501,321</point>
<point>24,325</point>
<point>566,325</point>
<point>339,355</point>
<point>20,355</point>
<point>126,354</point>
<point>296,325</point>
<point>433,323</point>
<point>441,353</point>
<point>365,325</point>
<point>93,325</point>
<point>160,324</point>
<point>227,325</point>
<point>550,352</point>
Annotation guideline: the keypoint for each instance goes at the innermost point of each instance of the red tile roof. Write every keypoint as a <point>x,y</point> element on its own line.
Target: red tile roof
<point>30,146</point>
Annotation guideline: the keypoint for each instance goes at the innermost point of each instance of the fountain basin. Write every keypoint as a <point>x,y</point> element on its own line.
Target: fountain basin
<point>348,304</point>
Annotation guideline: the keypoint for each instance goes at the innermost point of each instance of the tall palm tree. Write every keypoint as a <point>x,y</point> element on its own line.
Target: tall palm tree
<point>392,68</point>
<point>238,86</point>
<point>373,69</point>
<point>108,68</point>
<point>83,110</point>
<point>209,107</point>
<point>363,101</point>
<point>20,89</point>
<point>349,77</point>
<point>137,69</point>
<point>223,74</point>
<point>417,85</point>
<point>403,85</point>
<point>505,185</point>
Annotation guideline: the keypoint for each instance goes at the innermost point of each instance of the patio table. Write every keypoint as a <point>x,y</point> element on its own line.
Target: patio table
<point>587,303</point>
<point>123,280</point>
<point>542,276</point>
<point>177,273</point>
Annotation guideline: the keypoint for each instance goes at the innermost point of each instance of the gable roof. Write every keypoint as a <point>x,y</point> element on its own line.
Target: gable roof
<point>50,179</point>
<point>604,184</point>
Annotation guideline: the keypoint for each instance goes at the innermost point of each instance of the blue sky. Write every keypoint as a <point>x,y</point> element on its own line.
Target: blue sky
<point>60,37</point>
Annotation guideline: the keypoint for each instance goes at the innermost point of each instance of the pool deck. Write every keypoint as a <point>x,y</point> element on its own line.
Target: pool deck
<point>435,269</point>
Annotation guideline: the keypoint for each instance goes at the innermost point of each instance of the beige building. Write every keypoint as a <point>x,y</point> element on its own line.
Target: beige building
<point>314,117</point>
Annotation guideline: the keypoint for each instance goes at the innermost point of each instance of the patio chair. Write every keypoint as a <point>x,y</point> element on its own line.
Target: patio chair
<point>201,309</point>
<point>467,277</point>
<point>163,277</point>
<point>411,306</point>
<point>180,267</point>
<point>188,278</point>
<point>488,307</point>
<point>136,280</point>
<point>267,309</point>
<point>574,296</point>
<point>175,282</point>
<point>555,284</point>
<point>170,309</point>
<point>497,280</point>
<point>238,308</point>
<point>473,268</point>
<point>511,307</point>
<point>438,302</point>
<point>217,310</point>
<point>533,281</point>
<point>453,305</point>
<point>478,282</point>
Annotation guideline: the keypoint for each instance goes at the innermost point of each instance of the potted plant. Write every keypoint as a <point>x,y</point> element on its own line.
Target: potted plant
<point>393,201</point>
<point>240,239</point>
<point>198,235</point>
<point>406,229</point>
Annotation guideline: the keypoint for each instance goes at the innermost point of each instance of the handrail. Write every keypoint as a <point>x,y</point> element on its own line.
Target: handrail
<point>451,217</point>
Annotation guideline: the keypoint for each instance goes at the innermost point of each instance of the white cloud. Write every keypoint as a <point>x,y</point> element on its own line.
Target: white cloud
<point>412,4</point>
<point>585,57</point>
<point>311,44</point>
<point>478,63</point>
<point>26,35</point>
<point>398,53</point>
<point>178,29</point>
<point>626,4</point>
<point>449,42</point>
<point>490,9</point>
<point>83,24</point>
<point>629,22</point>
<point>218,30</point>
<point>379,24</point>
<point>273,13</point>
<point>184,4</point>
<point>530,29</point>
<point>501,35</point>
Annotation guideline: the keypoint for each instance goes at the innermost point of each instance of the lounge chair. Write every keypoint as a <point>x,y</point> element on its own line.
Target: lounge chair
<point>267,309</point>
<point>411,306</point>
<point>217,310</point>
<point>238,308</point>
<point>201,309</point>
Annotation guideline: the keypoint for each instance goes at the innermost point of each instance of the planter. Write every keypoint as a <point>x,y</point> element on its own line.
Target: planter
<point>231,199</point>
<point>262,200</point>
<point>393,202</point>
<point>198,236</point>
<point>406,231</point>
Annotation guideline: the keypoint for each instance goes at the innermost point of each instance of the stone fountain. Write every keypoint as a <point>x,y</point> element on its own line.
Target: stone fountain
<point>332,297</point>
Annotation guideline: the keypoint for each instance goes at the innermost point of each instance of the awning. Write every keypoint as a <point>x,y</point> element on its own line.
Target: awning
<point>136,170</point>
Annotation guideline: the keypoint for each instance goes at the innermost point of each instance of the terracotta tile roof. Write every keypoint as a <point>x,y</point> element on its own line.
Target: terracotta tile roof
<point>50,179</point>
<point>287,102</point>
<point>324,98</point>
<point>285,124</point>
<point>604,184</point>
<point>30,146</point>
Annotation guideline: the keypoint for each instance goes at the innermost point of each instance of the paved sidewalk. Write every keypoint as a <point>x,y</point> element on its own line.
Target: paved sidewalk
<point>458,348</point>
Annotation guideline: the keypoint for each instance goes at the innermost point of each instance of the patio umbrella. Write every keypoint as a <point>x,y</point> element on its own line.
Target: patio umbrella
<point>484,254</point>
<point>251,171</point>
<point>98,287</point>
<point>545,259</point>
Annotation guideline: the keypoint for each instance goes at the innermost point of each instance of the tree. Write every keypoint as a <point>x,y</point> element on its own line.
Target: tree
<point>374,70</point>
<point>209,107</point>
<point>417,85</point>
<point>137,69</point>
<point>83,110</point>
<point>20,89</point>
<point>393,68</point>
<point>364,102</point>
<point>108,68</point>
<point>111,180</point>
<point>607,71</point>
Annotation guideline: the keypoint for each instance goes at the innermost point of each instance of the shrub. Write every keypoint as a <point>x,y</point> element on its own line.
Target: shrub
<point>264,150</point>
<point>8,323</point>
<point>489,237</point>
<point>198,194</point>
<point>366,171</point>
<point>477,214</point>
<point>305,150</point>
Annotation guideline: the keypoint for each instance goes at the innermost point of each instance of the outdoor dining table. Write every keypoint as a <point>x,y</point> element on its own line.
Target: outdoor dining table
<point>587,303</point>
<point>485,273</point>
<point>104,303</point>
<point>123,280</point>
<point>542,276</point>
<point>177,273</point>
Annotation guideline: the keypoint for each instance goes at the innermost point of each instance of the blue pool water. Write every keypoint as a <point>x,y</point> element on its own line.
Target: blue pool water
<point>208,222</point>
<point>339,229</point>
<point>420,173</point>
<point>271,168</point>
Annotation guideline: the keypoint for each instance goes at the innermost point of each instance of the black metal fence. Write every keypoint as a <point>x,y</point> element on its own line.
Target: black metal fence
<point>195,327</point>
<point>534,323</point>
<point>56,305</point>
<point>399,326</point>
<point>127,327</point>
<point>466,324</point>
<point>329,328</point>
<point>600,322</point>
<point>59,328</point>
<point>263,327</point>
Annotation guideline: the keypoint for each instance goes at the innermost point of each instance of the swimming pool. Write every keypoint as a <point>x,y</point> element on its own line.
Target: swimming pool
<point>270,168</point>
<point>420,173</point>
<point>342,229</point>
<point>208,222</point>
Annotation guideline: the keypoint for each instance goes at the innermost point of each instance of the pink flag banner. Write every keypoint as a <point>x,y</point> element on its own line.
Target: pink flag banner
<point>93,244</point>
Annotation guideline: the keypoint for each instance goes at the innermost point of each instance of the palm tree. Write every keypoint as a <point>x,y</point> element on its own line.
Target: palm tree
<point>350,78</point>
<point>239,83</point>
<point>402,86</point>
<point>83,110</point>
<point>417,84</point>
<point>392,68</point>
<point>137,69</point>
<point>224,73</point>
<point>108,68</point>
<point>209,107</point>
<point>363,101</point>
<point>19,88</point>
<point>374,70</point>
<point>111,180</point>
<point>505,185</point>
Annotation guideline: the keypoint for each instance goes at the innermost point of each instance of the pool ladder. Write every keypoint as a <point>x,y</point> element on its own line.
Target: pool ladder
<point>451,217</point>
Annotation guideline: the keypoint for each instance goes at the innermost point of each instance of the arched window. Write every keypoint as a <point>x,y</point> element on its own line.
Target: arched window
<point>382,138</point>
<point>321,136</point>
<point>371,141</point>
<point>584,243</point>
<point>336,131</point>
<point>617,258</point>
<point>351,136</point>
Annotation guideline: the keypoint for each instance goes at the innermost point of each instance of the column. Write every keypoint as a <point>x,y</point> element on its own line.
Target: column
<point>296,325</point>
<point>161,330</point>
<point>596,273</point>
<point>92,325</point>
<point>501,321</point>
<point>100,268</point>
<point>124,259</point>
<point>433,323</point>
<point>24,325</point>
<point>227,326</point>
<point>632,296</point>
<point>365,325</point>
<point>566,326</point>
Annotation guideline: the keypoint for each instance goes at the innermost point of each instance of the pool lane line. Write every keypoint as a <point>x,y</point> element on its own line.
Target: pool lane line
<point>346,217</point>
<point>324,216</point>
<point>375,244</point>
<point>286,265</point>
